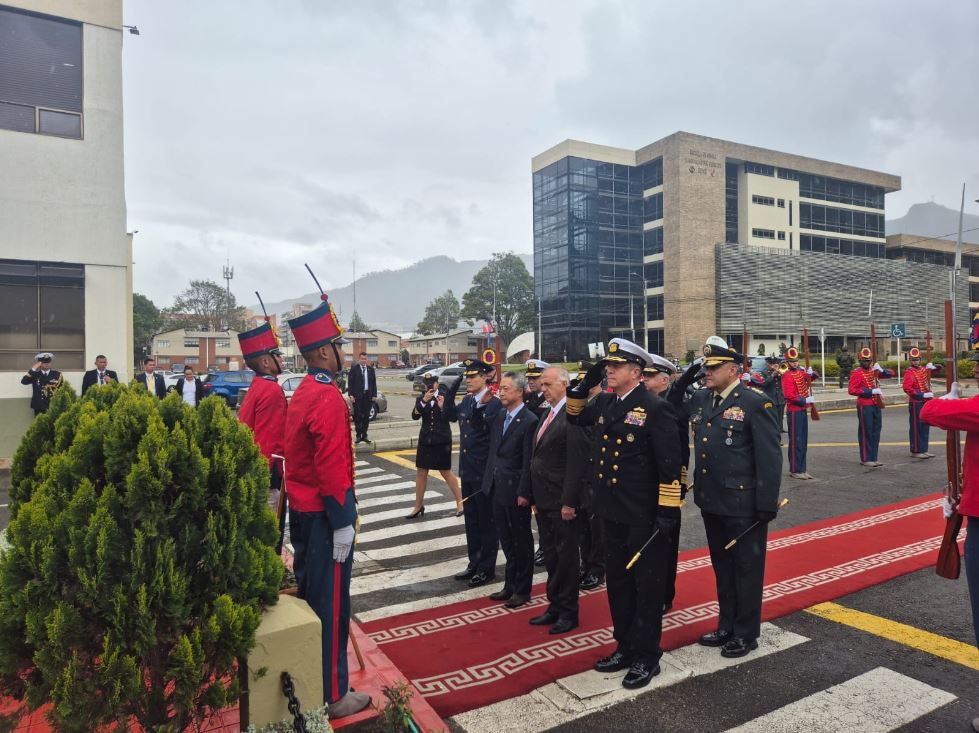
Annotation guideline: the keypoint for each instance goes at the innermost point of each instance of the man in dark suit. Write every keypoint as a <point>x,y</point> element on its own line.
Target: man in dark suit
<point>638,496</point>
<point>475,414</point>
<point>507,483</point>
<point>159,387</point>
<point>362,388</point>
<point>737,476</point>
<point>99,375</point>
<point>43,380</point>
<point>560,457</point>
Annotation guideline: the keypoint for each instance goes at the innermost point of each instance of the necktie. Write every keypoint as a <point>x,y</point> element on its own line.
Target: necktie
<point>506,423</point>
<point>550,416</point>
<point>101,377</point>
<point>717,401</point>
<point>366,386</point>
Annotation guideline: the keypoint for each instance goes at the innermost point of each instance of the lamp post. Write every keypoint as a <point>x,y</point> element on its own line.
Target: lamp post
<point>645,310</point>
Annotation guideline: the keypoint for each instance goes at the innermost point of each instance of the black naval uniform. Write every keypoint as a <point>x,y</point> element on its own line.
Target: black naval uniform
<point>435,435</point>
<point>737,477</point>
<point>636,451</point>
<point>42,385</point>
<point>536,403</point>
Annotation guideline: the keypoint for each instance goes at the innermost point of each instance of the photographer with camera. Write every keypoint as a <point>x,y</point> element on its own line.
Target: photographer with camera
<point>434,441</point>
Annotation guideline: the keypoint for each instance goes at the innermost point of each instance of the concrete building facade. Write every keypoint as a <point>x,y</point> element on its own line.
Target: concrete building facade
<point>65,255</point>
<point>445,348</point>
<point>383,348</point>
<point>616,227</point>
<point>203,350</point>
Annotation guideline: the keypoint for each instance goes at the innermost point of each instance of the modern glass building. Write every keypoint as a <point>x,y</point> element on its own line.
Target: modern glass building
<point>624,240</point>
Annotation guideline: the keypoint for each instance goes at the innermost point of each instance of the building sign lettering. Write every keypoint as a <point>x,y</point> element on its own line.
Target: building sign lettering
<point>702,163</point>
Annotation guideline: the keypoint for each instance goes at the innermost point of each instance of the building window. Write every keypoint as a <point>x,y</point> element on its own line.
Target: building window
<point>652,241</point>
<point>781,236</point>
<point>760,168</point>
<point>223,343</point>
<point>371,343</point>
<point>656,340</point>
<point>731,202</point>
<point>974,292</point>
<point>40,74</point>
<point>653,274</point>
<point>832,245</point>
<point>163,344</point>
<point>652,173</point>
<point>652,208</point>
<point>654,307</point>
<point>42,307</point>
<point>192,343</point>
<point>764,200</point>
<point>763,233</point>
<point>392,344</point>
<point>842,221</point>
<point>781,203</point>
<point>192,360</point>
<point>163,361</point>
<point>790,213</point>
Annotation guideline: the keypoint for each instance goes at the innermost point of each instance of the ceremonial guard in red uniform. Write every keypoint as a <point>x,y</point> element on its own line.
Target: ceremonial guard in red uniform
<point>264,406</point>
<point>323,511</point>
<point>865,386</point>
<point>797,389</point>
<point>917,386</point>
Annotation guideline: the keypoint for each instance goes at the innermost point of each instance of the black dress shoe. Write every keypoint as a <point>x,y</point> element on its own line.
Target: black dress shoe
<point>738,647</point>
<point>545,619</point>
<point>539,557</point>
<point>715,638</point>
<point>591,581</point>
<point>416,514</point>
<point>667,607</point>
<point>517,601</point>
<point>464,574</point>
<point>613,662</point>
<point>480,578</point>
<point>501,595</point>
<point>564,625</point>
<point>639,675</point>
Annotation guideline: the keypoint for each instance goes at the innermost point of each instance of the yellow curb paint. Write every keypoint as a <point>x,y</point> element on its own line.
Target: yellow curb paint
<point>397,457</point>
<point>940,646</point>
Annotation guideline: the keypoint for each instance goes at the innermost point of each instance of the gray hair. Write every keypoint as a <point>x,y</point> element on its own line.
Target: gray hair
<point>519,380</point>
<point>562,374</point>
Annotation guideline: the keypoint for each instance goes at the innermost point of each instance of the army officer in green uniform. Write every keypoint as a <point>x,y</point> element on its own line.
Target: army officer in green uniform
<point>736,481</point>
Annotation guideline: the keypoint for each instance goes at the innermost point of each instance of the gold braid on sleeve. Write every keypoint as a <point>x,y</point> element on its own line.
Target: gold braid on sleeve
<point>669,495</point>
<point>575,405</point>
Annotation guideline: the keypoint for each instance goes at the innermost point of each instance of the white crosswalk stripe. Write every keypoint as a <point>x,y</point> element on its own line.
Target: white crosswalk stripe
<point>376,479</point>
<point>416,548</point>
<point>386,488</point>
<point>408,528</point>
<point>375,517</point>
<point>389,579</point>
<point>365,471</point>
<point>397,498</point>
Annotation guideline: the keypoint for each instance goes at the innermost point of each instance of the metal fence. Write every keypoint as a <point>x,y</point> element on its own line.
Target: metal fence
<point>778,291</point>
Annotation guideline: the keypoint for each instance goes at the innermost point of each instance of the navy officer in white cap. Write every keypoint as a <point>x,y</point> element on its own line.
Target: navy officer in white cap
<point>534,396</point>
<point>43,380</point>
<point>637,495</point>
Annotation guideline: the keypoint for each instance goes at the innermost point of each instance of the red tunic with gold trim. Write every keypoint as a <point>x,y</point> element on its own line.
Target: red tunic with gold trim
<point>796,386</point>
<point>264,411</point>
<point>917,383</point>
<point>960,415</point>
<point>863,381</point>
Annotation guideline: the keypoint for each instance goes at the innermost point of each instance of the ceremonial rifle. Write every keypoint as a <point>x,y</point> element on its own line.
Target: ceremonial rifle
<point>878,400</point>
<point>949,563</point>
<point>928,345</point>
<point>813,412</point>
<point>744,345</point>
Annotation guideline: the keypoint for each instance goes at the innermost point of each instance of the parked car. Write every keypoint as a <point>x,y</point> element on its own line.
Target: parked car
<point>227,384</point>
<point>446,375</point>
<point>290,383</point>
<point>418,371</point>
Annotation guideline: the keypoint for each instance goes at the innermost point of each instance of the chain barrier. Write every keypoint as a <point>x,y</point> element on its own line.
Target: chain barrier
<point>289,690</point>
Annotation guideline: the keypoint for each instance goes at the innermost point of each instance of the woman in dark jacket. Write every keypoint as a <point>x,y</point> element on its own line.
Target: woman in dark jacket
<point>189,387</point>
<point>434,443</point>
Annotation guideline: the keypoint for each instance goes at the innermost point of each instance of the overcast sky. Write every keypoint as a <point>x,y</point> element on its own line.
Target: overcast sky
<point>277,133</point>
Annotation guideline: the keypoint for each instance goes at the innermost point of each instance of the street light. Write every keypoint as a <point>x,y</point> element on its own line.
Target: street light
<point>645,310</point>
<point>133,30</point>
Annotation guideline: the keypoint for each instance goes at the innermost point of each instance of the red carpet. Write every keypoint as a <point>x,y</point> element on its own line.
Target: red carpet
<point>469,654</point>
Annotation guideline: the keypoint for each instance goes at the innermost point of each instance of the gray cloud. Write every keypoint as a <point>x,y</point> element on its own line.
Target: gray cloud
<point>279,133</point>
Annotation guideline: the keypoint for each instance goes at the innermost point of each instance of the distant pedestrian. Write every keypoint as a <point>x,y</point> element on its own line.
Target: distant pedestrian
<point>100,375</point>
<point>362,388</point>
<point>189,387</point>
<point>917,386</point>
<point>844,360</point>
<point>865,386</point>
<point>153,382</point>
<point>43,380</point>
<point>434,451</point>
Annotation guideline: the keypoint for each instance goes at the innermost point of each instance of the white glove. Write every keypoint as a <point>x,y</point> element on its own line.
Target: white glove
<point>931,366</point>
<point>878,367</point>
<point>745,377</point>
<point>810,400</point>
<point>698,361</point>
<point>947,508</point>
<point>953,393</point>
<point>876,390</point>
<point>343,540</point>
<point>928,395</point>
<point>809,371</point>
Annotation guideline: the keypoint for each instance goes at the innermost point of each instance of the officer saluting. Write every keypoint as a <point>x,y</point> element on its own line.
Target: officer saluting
<point>534,396</point>
<point>637,495</point>
<point>736,478</point>
<point>43,380</point>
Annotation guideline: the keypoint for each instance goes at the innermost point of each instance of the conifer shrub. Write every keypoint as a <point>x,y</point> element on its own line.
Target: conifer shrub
<point>141,552</point>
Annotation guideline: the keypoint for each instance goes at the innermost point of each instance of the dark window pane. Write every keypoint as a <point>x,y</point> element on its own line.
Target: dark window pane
<point>59,123</point>
<point>16,117</point>
<point>62,318</point>
<point>41,63</point>
<point>18,317</point>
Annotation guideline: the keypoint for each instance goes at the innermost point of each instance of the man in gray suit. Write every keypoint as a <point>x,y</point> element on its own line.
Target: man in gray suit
<point>507,483</point>
<point>559,460</point>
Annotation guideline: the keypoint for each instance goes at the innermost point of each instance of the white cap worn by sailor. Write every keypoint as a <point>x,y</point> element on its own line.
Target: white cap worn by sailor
<point>659,364</point>
<point>535,367</point>
<point>623,350</point>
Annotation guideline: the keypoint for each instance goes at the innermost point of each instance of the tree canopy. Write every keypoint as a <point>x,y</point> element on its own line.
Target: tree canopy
<point>357,323</point>
<point>503,287</point>
<point>146,322</point>
<point>441,315</point>
<point>206,306</point>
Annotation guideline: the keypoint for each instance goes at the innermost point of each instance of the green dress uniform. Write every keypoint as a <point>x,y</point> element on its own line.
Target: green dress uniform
<point>737,474</point>
<point>636,484</point>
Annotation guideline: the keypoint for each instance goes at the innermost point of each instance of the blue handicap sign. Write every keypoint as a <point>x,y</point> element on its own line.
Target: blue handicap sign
<point>898,331</point>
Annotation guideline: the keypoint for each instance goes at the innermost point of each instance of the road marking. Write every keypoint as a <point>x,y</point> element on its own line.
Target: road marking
<point>361,463</point>
<point>401,513</point>
<point>397,457</point>
<point>940,646</point>
<point>374,479</point>
<point>419,525</point>
<point>443,599</point>
<point>393,579</point>
<point>573,697</point>
<point>372,469</point>
<point>4,506</point>
<point>874,702</point>
<point>384,488</point>
<point>416,548</point>
<point>396,499</point>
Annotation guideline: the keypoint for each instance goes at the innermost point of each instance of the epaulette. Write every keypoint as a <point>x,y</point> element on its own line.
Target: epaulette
<point>323,378</point>
<point>755,390</point>
<point>269,377</point>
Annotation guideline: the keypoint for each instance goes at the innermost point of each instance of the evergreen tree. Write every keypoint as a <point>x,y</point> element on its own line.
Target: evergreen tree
<point>357,324</point>
<point>141,552</point>
<point>504,289</point>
